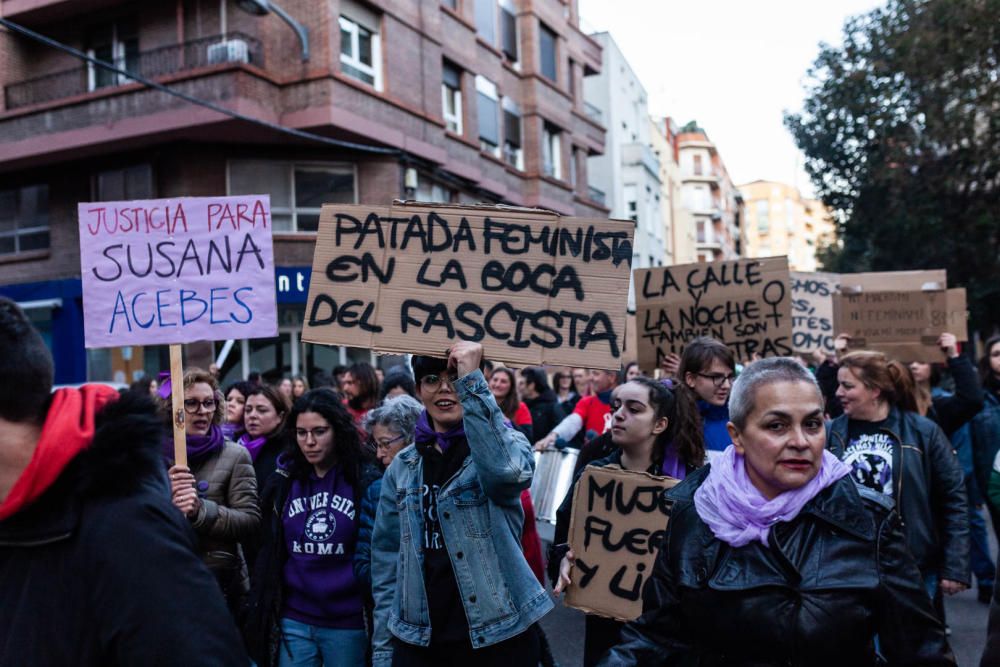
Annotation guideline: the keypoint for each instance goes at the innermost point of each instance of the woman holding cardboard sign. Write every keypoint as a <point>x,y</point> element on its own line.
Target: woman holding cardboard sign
<point>653,435</point>
<point>774,556</point>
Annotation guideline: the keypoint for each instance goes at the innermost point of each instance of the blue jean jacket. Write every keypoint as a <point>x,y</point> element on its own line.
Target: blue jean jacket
<point>481,521</point>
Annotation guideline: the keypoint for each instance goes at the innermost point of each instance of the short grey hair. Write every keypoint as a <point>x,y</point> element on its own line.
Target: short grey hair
<point>398,414</point>
<point>760,373</point>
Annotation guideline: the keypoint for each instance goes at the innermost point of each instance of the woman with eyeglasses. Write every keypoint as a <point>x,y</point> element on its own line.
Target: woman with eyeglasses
<point>707,371</point>
<point>307,606</point>
<point>217,490</point>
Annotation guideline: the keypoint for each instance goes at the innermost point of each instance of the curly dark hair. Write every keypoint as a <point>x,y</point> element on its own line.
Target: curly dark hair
<point>683,423</point>
<point>346,441</point>
<point>367,386</point>
<point>986,373</point>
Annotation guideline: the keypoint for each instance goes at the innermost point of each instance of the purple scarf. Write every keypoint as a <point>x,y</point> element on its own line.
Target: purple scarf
<point>199,447</point>
<point>253,445</point>
<point>425,434</point>
<point>737,513</point>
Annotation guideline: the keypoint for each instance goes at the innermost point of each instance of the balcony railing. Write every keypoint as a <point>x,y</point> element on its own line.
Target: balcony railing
<point>235,48</point>
<point>595,195</point>
<point>593,113</point>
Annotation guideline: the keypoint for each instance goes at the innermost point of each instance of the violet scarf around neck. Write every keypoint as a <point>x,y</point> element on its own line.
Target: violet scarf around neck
<point>737,513</point>
<point>199,447</point>
<point>425,434</point>
<point>253,445</point>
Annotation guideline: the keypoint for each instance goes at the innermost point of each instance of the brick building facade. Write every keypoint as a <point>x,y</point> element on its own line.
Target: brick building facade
<point>479,100</point>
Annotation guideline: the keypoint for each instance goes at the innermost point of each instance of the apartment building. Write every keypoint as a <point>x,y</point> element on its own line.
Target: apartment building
<point>678,223</point>
<point>450,100</point>
<point>709,195</point>
<point>628,172</point>
<point>780,221</point>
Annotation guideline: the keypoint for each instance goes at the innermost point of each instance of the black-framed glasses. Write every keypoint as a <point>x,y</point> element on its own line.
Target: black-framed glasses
<point>384,444</point>
<point>719,379</point>
<point>316,433</point>
<point>191,405</point>
<point>432,382</point>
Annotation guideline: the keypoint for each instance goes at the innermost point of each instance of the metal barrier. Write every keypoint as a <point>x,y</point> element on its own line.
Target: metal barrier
<point>553,479</point>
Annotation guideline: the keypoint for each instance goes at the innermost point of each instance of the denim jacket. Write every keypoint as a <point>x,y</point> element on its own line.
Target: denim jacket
<point>481,519</point>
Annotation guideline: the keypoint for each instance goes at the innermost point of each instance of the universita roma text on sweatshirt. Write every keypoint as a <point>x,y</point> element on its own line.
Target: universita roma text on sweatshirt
<point>319,520</point>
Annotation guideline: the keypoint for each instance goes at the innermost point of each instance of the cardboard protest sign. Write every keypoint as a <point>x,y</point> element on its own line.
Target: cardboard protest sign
<point>899,313</point>
<point>812,311</point>
<point>958,314</point>
<point>745,303</point>
<point>168,271</point>
<point>533,287</point>
<point>619,521</point>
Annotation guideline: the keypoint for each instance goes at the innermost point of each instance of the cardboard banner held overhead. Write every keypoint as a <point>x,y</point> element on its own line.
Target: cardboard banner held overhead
<point>618,523</point>
<point>812,311</point>
<point>169,271</point>
<point>899,313</point>
<point>958,314</point>
<point>531,286</point>
<point>745,303</point>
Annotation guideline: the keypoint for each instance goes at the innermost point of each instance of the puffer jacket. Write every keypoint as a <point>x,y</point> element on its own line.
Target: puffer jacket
<point>929,491</point>
<point>985,429</point>
<point>229,514</point>
<point>828,582</point>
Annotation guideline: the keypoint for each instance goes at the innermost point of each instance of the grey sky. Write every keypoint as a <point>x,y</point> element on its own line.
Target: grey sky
<point>732,65</point>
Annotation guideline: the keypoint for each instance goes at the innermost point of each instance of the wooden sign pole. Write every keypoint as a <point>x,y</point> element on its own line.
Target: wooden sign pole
<point>177,400</point>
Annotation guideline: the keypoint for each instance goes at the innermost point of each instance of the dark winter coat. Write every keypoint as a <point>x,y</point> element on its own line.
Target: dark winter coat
<point>545,414</point>
<point>103,570</point>
<point>829,580</point>
<point>262,627</point>
<point>929,492</point>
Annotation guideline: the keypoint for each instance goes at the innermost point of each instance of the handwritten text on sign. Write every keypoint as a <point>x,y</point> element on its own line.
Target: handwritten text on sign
<point>744,303</point>
<point>177,270</point>
<point>619,521</point>
<point>812,311</point>
<point>532,287</point>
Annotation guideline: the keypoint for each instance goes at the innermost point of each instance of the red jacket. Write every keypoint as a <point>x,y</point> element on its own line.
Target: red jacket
<point>531,544</point>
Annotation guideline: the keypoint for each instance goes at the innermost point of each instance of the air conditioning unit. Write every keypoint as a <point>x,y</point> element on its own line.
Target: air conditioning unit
<point>229,51</point>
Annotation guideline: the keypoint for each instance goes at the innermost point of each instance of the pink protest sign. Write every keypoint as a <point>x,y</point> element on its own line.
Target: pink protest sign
<point>166,271</point>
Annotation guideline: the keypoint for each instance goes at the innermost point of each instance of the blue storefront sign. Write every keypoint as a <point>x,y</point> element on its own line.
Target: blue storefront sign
<point>293,283</point>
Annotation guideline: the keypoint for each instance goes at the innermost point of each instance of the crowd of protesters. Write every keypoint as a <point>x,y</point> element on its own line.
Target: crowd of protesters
<point>367,518</point>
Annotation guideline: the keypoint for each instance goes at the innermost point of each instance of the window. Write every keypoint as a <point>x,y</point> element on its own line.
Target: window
<point>763,223</point>
<point>297,190</point>
<point>451,98</point>
<point>574,155</point>
<point>450,4</point>
<point>512,152</point>
<point>697,165</point>
<point>547,46</point>
<point>117,44</point>
<point>134,182</point>
<point>551,150</point>
<point>508,31</point>
<point>431,191</point>
<point>631,204</point>
<point>488,103</point>
<point>360,44</point>
<point>24,219</point>
<point>486,20</point>
<point>571,73</point>
<point>703,231</point>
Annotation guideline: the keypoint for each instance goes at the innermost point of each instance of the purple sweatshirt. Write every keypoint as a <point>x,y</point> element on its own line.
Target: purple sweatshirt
<point>320,536</point>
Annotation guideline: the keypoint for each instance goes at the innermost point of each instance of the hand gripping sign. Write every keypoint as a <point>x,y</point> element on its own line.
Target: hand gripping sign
<point>173,271</point>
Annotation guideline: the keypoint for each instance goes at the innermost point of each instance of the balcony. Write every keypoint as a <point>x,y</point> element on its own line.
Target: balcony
<point>640,154</point>
<point>87,78</point>
<point>593,113</point>
<point>595,195</point>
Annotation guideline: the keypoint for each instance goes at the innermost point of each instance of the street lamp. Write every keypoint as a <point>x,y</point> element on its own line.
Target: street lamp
<point>265,7</point>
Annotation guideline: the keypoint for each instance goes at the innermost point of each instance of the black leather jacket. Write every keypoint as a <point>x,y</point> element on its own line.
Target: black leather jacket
<point>827,583</point>
<point>929,490</point>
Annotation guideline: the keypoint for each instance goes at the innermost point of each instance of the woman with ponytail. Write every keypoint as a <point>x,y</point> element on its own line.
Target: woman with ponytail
<point>891,449</point>
<point>653,433</point>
